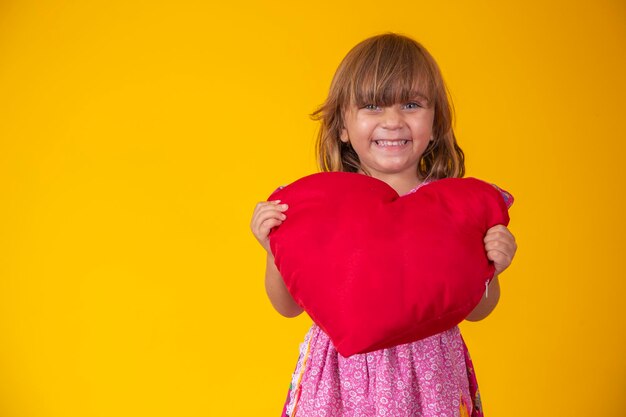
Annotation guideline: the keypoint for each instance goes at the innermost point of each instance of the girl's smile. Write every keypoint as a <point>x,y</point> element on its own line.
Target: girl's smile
<point>391,143</point>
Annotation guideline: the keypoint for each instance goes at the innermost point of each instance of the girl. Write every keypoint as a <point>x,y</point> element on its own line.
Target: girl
<point>387,115</point>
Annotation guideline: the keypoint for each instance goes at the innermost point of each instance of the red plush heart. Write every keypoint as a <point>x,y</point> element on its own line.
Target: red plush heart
<point>374,269</point>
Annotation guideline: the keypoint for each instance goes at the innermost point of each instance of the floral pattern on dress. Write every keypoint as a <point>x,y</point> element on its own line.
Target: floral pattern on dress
<point>426,378</point>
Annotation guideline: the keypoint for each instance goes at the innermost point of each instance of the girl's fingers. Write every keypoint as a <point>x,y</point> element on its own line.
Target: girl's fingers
<point>495,248</point>
<point>499,232</point>
<point>267,214</point>
<point>270,217</point>
<point>498,256</point>
<point>268,206</point>
<point>261,210</point>
<point>502,245</point>
<point>500,260</point>
<point>261,204</point>
<point>267,225</point>
<point>499,228</point>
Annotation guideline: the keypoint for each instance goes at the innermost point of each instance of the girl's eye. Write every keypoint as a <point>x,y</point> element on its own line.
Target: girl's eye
<point>371,107</point>
<point>412,105</point>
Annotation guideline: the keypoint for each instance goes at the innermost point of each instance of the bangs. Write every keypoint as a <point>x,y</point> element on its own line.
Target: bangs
<point>392,70</point>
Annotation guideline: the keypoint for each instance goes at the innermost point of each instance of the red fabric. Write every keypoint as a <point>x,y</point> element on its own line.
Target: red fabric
<point>373,269</point>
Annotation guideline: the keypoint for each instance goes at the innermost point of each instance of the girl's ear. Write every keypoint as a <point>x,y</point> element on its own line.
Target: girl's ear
<point>344,135</point>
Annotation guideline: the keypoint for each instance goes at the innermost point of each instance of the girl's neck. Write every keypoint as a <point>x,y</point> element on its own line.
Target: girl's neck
<point>401,184</point>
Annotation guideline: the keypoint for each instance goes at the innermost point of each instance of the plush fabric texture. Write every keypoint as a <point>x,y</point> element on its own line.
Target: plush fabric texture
<point>374,269</point>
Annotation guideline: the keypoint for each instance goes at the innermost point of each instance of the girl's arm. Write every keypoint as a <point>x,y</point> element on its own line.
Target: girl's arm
<point>266,216</point>
<point>277,291</point>
<point>500,247</point>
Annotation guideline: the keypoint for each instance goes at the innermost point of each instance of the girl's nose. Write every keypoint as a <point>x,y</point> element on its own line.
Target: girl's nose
<point>392,118</point>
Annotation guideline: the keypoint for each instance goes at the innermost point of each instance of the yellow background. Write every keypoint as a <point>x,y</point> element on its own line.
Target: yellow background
<point>136,137</point>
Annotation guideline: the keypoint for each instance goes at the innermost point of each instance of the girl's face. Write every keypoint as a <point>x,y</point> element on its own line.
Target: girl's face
<point>390,140</point>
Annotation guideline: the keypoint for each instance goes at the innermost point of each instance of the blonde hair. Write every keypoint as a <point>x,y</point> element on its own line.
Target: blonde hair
<point>384,70</point>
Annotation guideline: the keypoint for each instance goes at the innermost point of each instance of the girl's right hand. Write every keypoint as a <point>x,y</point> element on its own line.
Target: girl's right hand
<point>267,214</point>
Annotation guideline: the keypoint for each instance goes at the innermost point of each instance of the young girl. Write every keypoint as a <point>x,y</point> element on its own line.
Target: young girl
<point>387,115</point>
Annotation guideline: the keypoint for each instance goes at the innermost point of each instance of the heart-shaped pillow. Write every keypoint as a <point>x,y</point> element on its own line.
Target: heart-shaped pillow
<point>374,269</point>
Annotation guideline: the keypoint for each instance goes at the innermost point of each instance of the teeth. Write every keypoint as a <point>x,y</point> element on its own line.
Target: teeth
<point>391,142</point>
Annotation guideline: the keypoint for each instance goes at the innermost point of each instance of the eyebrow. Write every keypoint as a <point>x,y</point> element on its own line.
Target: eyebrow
<point>418,96</point>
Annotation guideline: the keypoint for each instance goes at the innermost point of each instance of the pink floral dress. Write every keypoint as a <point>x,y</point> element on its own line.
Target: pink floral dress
<point>432,377</point>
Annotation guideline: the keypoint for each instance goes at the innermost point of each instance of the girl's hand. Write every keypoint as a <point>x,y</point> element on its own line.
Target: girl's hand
<point>267,214</point>
<point>500,247</point>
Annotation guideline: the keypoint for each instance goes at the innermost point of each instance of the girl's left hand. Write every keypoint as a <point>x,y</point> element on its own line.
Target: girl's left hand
<point>500,247</point>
